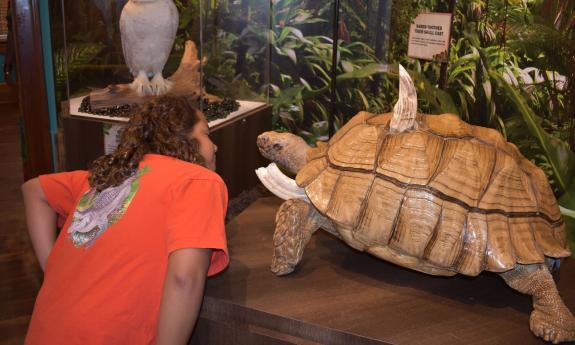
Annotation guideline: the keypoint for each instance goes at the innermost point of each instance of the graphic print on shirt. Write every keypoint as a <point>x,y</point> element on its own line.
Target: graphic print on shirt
<point>96,212</point>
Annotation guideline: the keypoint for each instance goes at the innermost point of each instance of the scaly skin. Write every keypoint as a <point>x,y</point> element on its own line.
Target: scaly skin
<point>550,319</point>
<point>286,149</point>
<point>296,221</point>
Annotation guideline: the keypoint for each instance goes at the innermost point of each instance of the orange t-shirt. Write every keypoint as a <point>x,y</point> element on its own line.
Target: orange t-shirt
<point>108,291</point>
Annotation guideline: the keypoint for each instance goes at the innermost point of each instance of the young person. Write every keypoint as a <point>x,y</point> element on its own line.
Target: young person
<point>139,233</point>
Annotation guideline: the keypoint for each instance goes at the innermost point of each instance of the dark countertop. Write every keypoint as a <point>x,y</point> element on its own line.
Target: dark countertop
<point>338,295</point>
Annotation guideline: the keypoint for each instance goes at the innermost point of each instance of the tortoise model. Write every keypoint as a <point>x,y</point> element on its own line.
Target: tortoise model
<point>427,192</point>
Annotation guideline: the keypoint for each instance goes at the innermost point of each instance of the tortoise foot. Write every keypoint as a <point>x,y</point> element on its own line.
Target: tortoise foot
<point>555,326</point>
<point>296,221</point>
<point>281,267</point>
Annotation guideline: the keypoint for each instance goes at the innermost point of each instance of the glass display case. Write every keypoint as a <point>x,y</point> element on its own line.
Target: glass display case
<point>220,57</point>
<point>308,90</point>
<point>88,51</point>
<point>254,54</point>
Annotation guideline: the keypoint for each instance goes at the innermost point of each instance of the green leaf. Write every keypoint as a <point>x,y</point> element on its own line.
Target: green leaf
<point>347,66</point>
<point>364,72</point>
<point>297,33</point>
<point>567,212</point>
<point>364,99</point>
<point>305,84</point>
<point>560,157</point>
<point>285,32</point>
<point>186,17</point>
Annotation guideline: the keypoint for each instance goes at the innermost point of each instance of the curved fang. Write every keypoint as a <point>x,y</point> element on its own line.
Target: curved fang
<point>279,184</point>
<point>405,110</point>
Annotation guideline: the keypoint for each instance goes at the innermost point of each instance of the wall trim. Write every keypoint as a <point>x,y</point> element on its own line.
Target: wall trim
<point>32,87</point>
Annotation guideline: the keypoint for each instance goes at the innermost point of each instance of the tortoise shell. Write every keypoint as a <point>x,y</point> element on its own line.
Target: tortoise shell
<point>445,198</point>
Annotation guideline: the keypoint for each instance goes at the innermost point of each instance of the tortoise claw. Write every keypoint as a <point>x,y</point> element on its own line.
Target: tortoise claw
<point>281,267</point>
<point>546,327</point>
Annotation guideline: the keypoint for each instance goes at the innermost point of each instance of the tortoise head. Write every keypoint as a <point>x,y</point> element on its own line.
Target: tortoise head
<point>286,149</point>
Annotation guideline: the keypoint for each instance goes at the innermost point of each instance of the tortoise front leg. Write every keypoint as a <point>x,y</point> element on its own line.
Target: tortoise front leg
<point>296,221</point>
<point>550,319</point>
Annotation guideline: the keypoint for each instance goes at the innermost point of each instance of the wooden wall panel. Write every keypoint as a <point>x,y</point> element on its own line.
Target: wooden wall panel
<point>32,88</point>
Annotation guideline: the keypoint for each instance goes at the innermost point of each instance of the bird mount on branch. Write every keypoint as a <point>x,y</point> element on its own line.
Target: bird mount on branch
<point>187,81</point>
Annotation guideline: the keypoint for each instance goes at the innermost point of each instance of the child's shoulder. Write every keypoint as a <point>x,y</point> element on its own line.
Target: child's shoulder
<point>174,169</point>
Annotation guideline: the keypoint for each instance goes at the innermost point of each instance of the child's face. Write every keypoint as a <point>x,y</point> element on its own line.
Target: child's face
<point>208,149</point>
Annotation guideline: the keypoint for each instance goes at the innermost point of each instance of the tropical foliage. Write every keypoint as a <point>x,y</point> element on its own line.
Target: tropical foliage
<point>511,67</point>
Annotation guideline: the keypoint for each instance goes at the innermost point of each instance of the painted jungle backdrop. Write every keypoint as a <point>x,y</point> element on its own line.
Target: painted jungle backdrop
<point>511,64</point>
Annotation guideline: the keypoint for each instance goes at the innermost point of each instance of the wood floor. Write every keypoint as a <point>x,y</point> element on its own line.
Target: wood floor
<point>19,272</point>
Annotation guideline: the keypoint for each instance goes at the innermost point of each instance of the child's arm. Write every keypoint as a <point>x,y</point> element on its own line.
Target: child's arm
<point>182,295</point>
<point>41,220</point>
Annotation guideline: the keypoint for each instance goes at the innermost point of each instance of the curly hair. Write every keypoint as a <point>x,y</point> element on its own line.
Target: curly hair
<point>161,126</point>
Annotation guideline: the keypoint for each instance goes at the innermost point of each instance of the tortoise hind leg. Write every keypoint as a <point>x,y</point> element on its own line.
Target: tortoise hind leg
<point>296,221</point>
<point>550,319</point>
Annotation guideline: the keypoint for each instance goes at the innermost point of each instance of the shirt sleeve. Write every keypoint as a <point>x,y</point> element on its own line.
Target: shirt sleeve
<point>62,190</point>
<point>196,217</point>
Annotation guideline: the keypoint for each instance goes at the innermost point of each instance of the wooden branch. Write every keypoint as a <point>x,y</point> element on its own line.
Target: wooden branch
<point>187,81</point>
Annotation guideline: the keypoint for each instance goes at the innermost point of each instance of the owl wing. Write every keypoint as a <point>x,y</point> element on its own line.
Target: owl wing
<point>128,34</point>
<point>174,20</point>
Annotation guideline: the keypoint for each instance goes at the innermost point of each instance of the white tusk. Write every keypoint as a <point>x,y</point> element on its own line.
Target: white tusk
<point>279,184</point>
<point>405,110</point>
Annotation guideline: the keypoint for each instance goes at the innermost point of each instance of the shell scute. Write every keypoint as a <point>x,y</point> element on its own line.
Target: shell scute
<point>378,218</point>
<point>348,197</point>
<point>360,118</point>
<point>416,224</point>
<point>410,158</point>
<point>311,171</point>
<point>544,195</point>
<point>358,149</point>
<point>464,171</point>
<point>320,190</point>
<point>510,189</point>
<point>560,234</point>
<point>500,252</point>
<point>446,244</point>
<point>526,248</point>
<point>471,261</point>
<point>318,151</point>
<point>380,120</point>
<point>448,125</point>
<point>493,138</point>
<point>545,238</point>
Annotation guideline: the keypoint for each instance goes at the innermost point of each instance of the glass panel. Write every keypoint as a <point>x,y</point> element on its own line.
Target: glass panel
<point>301,66</point>
<point>364,30</point>
<point>231,36</point>
<point>302,53</point>
<point>236,47</point>
<point>87,44</point>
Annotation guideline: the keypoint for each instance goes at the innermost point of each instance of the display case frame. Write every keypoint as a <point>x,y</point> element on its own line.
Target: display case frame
<point>82,136</point>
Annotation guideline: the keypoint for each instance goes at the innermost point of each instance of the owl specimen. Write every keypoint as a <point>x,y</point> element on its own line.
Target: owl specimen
<point>148,29</point>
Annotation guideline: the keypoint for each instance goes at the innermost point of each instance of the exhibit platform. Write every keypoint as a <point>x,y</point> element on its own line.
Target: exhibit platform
<point>338,295</point>
<point>245,107</point>
<point>86,138</point>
